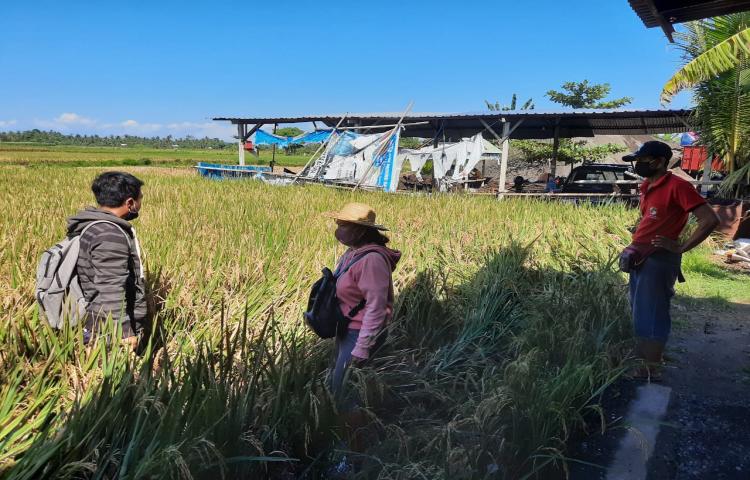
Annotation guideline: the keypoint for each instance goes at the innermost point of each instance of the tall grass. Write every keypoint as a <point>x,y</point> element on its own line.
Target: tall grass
<point>509,322</point>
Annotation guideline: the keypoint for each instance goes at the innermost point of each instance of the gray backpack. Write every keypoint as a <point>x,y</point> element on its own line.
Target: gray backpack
<point>58,291</point>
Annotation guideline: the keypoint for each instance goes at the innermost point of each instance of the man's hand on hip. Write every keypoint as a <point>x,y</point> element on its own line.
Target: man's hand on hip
<point>667,244</point>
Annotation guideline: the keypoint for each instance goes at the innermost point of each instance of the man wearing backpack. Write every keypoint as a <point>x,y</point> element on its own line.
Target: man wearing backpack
<point>109,266</point>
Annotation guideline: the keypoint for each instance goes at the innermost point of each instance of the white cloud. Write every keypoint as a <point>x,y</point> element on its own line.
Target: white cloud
<point>74,123</point>
<point>68,122</point>
<point>74,119</point>
<point>134,127</point>
<point>202,129</point>
<point>7,123</point>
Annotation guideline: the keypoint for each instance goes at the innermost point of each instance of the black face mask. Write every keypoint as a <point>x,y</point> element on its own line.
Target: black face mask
<point>131,215</point>
<point>349,236</point>
<point>645,170</point>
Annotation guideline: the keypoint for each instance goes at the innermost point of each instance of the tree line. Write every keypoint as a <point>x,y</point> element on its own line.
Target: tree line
<point>57,138</point>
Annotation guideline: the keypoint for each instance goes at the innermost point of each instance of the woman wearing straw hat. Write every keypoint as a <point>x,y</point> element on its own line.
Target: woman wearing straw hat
<point>364,287</point>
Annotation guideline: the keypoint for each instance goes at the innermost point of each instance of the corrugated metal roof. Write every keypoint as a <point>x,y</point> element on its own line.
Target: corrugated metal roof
<point>653,12</point>
<point>443,115</point>
<point>534,123</point>
<point>664,13</point>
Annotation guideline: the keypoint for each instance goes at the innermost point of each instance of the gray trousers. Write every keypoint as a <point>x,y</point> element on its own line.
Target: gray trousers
<point>343,357</point>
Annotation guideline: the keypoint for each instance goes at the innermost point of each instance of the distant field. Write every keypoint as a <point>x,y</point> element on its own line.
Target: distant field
<point>82,156</point>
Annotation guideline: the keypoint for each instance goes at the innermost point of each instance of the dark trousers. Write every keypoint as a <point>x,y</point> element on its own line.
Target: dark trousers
<point>651,292</point>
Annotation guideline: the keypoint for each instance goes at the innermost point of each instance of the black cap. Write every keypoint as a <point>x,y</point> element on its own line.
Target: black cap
<point>652,148</point>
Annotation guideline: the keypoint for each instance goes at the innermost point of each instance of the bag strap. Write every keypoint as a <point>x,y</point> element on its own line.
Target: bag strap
<point>127,238</point>
<point>339,272</point>
<point>341,269</point>
<point>357,308</point>
<point>91,224</point>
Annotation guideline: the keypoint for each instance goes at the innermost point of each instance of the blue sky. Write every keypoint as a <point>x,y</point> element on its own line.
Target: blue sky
<point>159,67</point>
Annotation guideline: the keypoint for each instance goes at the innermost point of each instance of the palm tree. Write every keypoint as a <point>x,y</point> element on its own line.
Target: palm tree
<point>717,65</point>
<point>712,47</point>
<point>496,107</point>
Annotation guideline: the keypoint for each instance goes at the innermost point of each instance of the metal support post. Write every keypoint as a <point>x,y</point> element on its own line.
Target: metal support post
<point>241,143</point>
<point>555,149</point>
<point>505,145</point>
<point>273,154</point>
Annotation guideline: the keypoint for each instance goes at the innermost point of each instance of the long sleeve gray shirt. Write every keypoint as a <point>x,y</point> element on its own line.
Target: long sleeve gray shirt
<point>110,271</point>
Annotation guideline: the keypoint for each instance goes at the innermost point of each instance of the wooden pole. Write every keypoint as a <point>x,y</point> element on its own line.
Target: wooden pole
<point>320,147</point>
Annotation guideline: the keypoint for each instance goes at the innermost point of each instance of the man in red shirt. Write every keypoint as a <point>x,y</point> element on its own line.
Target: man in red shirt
<point>654,256</point>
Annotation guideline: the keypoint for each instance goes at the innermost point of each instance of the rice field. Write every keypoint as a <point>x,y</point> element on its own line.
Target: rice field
<point>510,321</point>
<point>37,155</point>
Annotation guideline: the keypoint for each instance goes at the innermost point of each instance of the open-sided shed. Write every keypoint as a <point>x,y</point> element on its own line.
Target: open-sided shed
<point>502,126</point>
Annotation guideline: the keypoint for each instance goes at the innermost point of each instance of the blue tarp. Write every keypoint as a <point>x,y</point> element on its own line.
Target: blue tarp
<point>265,138</point>
<point>317,136</point>
<point>215,170</point>
<point>344,145</point>
<point>688,138</point>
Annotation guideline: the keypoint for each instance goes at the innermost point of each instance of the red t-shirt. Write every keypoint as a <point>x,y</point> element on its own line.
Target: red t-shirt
<point>665,207</point>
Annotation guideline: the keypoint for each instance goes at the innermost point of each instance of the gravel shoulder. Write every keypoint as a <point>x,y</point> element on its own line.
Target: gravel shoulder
<point>706,430</point>
<point>707,427</point>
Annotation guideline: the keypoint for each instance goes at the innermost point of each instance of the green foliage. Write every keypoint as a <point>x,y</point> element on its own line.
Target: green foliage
<point>706,278</point>
<point>722,113</point>
<point>668,137</point>
<point>289,132</point>
<point>585,95</point>
<point>409,142</point>
<point>570,151</point>
<point>292,149</point>
<point>496,107</point>
<point>57,138</point>
<point>720,54</point>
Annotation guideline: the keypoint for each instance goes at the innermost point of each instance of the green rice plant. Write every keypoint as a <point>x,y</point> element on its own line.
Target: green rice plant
<point>509,322</point>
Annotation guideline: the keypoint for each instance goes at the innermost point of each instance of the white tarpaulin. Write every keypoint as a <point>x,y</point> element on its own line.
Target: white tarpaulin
<point>416,157</point>
<point>350,156</point>
<point>459,158</point>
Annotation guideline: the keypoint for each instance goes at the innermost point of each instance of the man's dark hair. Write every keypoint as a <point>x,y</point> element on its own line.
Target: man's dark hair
<point>112,189</point>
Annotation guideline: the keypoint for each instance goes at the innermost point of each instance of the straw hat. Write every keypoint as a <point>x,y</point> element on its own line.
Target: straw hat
<point>358,213</point>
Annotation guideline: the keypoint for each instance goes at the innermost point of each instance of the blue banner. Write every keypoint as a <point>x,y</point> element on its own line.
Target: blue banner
<point>386,162</point>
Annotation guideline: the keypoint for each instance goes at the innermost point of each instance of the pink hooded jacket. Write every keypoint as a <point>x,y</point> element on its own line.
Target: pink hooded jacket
<point>369,279</point>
